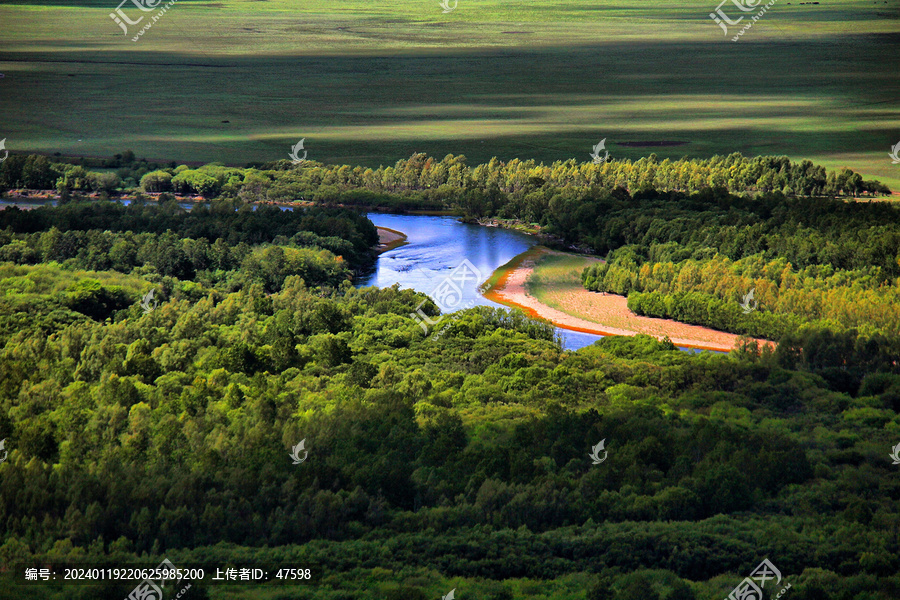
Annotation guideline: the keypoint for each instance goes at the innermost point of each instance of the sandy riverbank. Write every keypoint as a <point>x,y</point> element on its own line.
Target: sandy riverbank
<point>609,312</point>
<point>388,239</point>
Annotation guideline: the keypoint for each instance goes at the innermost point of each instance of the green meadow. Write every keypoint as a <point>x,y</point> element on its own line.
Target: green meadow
<point>369,83</point>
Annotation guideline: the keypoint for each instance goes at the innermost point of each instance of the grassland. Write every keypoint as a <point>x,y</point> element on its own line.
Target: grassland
<point>368,83</point>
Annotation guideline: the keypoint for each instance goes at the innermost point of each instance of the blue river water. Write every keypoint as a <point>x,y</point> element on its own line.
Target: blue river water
<point>435,249</point>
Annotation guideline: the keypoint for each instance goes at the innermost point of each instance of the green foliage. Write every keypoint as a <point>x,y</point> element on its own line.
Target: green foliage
<point>209,244</point>
<point>698,262</point>
<point>559,193</point>
<point>157,181</point>
<point>91,298</point>
<point>405,593</point>
<point>434,462</point>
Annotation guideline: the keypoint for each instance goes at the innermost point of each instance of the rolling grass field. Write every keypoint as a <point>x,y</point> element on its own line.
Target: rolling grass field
<point>369,83</point>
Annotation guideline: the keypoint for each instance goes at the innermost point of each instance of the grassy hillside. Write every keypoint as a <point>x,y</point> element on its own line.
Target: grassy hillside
<point>368,83</point>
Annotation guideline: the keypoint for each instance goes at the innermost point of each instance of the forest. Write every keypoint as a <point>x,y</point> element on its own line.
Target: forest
<point>811,263</point>
<point>434,464</point>
<point>516,189</point>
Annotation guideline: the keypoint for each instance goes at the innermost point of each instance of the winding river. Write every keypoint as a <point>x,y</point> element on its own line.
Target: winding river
<point>437,246</point>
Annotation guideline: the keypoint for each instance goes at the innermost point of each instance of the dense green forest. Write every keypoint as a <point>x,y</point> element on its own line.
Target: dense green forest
<point>461,462</point>
<point>819,263</point>
<point>215,246</point>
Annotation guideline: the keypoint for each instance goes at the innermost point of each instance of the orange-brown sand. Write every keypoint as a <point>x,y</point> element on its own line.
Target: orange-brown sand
<point>609,312</point>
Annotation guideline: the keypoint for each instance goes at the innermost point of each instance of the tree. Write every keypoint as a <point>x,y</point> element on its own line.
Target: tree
<point>331,350</point>
<point>157,181</point>
<point>38,174</point>
<point>104,182</point>
<point>601,589</point>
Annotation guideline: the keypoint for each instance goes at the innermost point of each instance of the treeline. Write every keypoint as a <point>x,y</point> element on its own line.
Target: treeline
<point>122,172</point>
<point>803,231</point>
<point>214,265</point>
<point>527,185</point>
<point>179,253</point>
<point>509,189</point>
